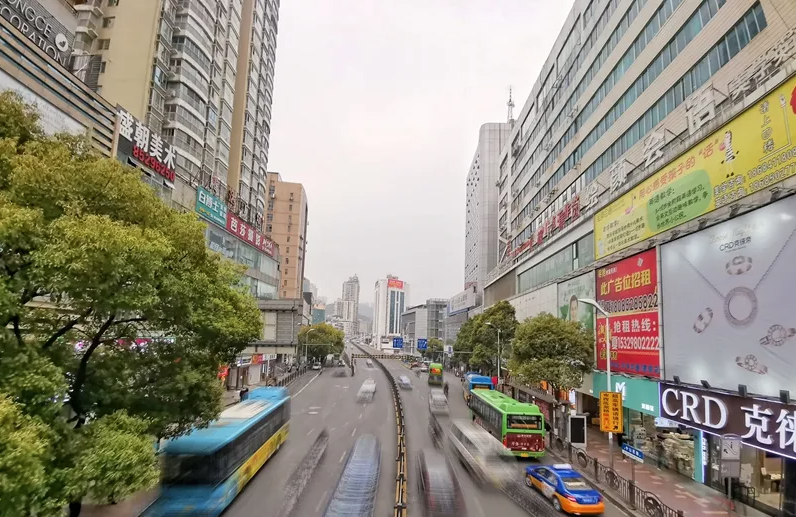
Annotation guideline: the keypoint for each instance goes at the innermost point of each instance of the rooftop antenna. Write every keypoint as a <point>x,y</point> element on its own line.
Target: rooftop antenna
<point>510,105</point>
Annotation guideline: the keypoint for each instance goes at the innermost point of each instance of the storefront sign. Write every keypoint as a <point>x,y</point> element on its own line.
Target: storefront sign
<point>628,291</point>
<point>727,293</point>
<point>764,424</point>
<point>244,361</point>
<point>210,207</point>
<point>40,26</point>
<point>611,419</point>
<point>145,147</point>
<point>762,68</point>
<point>568,306</point>
<point>751,153</point>
<point>249,235</point>
<point>638,394</point>
<point>568,214</point>
<point>223,372</point>
<point>257,359</point>
<point>394,283</point>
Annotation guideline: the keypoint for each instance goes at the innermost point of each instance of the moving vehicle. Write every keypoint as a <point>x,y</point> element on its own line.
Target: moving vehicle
<point>476,381</point>
<point>435,374</point>
<point>519,426</point>
<point>355,493</point>
<point>438,486</point>
<point>565,488</point>
<point>404,382</point>
<point>437,402</point>
<point>316,365</point>
<point>369,363</point>
<point>424,368</point>
<point>367,391</point>
<point>484,457</point>
<point>203,471</point>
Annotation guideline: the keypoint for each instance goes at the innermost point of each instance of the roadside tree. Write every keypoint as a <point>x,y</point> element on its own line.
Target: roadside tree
<point>321,340</point>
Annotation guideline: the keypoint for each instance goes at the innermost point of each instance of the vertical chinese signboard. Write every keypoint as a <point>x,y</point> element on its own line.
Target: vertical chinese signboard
<point>210,207</point>
<point>611,420</point>
<point>248,234</point>
<point>628,291</point>
<point>146,148</point>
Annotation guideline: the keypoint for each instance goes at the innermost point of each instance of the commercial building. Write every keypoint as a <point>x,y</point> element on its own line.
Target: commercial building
<point>481,232</point>
<point>286,222</point>
<point>350,305</point>
<point>318,314</point>
<point>390,298</point>
<point>364,327</point>
<point>457,312</point>
<point>175,66</point>
<point>652,170</point>
<point>423,322</point>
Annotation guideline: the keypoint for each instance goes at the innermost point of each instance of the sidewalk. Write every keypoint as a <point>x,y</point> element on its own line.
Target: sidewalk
<point>679,493</point>
<point>230,397</point>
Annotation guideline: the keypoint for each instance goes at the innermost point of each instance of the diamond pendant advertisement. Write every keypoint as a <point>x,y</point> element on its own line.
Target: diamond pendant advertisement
<point>727,302</point>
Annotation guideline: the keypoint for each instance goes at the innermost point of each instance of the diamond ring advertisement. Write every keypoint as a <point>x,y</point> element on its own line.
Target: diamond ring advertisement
<point>727,302</point>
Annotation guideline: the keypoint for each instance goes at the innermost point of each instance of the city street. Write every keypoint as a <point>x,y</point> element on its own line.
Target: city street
<point>480,503</point>
<point>318,402</point>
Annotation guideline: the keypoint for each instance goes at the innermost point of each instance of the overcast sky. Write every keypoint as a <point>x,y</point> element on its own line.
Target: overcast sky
<point>377,106</point>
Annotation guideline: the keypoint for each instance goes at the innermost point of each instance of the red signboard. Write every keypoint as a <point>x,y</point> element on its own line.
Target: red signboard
<point>628,291</point>
<point>257,359</point>
<point>249,234</point>
<point>568,214</point>
<point>395,284</point>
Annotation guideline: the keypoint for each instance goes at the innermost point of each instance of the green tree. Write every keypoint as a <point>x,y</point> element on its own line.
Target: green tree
<point>549,349</point>
<point>463,346</point>
<point>433,349</point>
<point>91,260</point>
<point>321,340</point>
<point>484,336</point>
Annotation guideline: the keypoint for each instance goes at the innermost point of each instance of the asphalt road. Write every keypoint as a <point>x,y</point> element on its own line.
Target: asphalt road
<point>327,402</point>
<point>480,502</point>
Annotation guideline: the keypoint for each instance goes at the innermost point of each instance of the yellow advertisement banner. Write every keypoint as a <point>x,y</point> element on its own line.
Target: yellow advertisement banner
<point>611,419</point>
<point>749,154</point>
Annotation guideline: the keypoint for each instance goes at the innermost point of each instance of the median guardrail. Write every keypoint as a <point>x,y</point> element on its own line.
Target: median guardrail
<point>400,459</point>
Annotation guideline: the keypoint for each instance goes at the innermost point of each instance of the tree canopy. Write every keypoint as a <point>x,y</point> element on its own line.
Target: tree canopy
<point>433,349</point>
<point>549,349</point>
<point>114,319</point>
<point>317,338</point>
<point>477,341</point>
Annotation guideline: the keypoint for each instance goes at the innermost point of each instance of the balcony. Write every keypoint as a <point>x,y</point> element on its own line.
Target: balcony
<point>90,6</point>
<point>87,27</point>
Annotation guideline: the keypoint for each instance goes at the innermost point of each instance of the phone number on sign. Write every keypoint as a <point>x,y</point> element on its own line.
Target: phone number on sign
<point>633,343</point>
<point>636,303</point>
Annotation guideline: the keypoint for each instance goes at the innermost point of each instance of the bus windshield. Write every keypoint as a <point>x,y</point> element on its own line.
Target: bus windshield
<point>529,422</point>
<point>482,386</point>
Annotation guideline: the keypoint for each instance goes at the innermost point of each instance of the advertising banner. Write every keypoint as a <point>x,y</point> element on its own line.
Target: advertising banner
<point>210,207</point>
<point>463,301</point>
<point>395,283</point>
<point>749,154</point>
<point>568,306</point>
<point>628,291</point>
<point>148,149</point>
<point>727,298</point>
<point>248,234</point>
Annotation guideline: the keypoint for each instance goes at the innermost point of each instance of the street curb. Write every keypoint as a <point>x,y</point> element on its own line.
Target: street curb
<point>618,502</point>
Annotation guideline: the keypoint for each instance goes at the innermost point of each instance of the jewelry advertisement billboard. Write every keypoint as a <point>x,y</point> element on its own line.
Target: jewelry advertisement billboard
<point>628,291</point>
<point>748,154</point>
<point>568,306</point>
<point>727,315</point>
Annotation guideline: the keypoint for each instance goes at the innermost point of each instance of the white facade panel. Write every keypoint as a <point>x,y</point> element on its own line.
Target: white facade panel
<point>536,302</point>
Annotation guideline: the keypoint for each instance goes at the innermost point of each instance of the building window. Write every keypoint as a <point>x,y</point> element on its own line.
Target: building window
<point>104,44</point>
<point>284,294</point>
<point>268,228</point>
<point>113,3</point>
<point>287,260</point>
<point>269,326</point>
<point>284,283</point>
<point>108,22</point>
<point>290,218</point>
<point>270,205</point>
<point>269,217</point>
<point>290,207</point>
<point>102,67</point>
<point>287,250</point>
<point>288,238</point>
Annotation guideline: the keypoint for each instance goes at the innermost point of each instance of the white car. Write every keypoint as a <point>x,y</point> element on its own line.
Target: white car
<point>438,402</point>
<point>367,391</point>
<point>316,366</point>
<point>404,382</point>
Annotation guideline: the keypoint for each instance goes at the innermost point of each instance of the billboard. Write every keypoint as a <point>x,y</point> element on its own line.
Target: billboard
<point>727,315</point>
<point>249,234</point>
<point>211,207</point>
<point>461,302</point>
<point>394,283</point>
<point>628,291</point>
<point>146,148</point>
<point>749,154</point>
<point>568,306</point>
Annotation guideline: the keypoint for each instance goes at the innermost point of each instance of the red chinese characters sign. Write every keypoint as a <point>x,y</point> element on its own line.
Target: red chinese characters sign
<point>395,284</point>
<point>628,291</point>
<point>248,234</point>
<point>568,214</point>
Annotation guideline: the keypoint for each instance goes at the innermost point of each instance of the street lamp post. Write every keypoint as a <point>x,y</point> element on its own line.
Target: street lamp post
<point>499,351</point>
<point>593,303</point>
<point>306,338</point>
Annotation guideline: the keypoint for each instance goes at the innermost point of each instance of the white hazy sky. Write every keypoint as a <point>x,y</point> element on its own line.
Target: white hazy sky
<point>377,106</point>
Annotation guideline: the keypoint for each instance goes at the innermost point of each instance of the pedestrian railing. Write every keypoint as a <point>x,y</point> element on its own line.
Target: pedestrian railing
<point>606,477</point>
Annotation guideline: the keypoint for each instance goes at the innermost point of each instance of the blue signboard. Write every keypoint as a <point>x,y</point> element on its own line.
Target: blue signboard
<point>422,344</point>
<point>210,207</point>
<point>397,342</point>
<point>632,453</point>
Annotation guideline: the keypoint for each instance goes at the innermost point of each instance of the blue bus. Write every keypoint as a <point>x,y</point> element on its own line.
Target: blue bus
<point>203,471</point>
<point>475,381</point>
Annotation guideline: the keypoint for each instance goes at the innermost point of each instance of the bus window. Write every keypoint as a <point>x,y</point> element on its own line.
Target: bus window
<point>482,386</point>
<point>532,422</point>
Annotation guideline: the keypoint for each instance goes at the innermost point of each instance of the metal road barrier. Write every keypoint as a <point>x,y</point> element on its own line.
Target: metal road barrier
<point>301,476</point>
<point>379,356</point>
<point>287,381</point>
<point>400,459</point>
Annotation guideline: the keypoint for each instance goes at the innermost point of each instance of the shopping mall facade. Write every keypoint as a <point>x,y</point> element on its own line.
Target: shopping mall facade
<point>653,169</point>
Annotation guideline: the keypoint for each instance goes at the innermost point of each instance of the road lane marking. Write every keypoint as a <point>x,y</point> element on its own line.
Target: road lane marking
<point>320,501</point>
<point>332,429</point>
<point>305,386</point>
<point>313,412</point>
<point>342,457</point>
<point>354,432</point>
<point>360,415</point>
<point>478,507</point>
<point>315,407</point>
<point>310,431</point>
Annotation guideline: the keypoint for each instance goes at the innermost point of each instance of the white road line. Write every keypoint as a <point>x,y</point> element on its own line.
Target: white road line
<point>342,457</point>
<point>315,407</point>
<point>360,415</point>
<point>354,432</point>
<point>310,431</point>
<point>478,507</point>
<point>333,405</point>
<point>321,501</point>
<point>305,386</point>
<point>332,429</point>
<point>313,413</point>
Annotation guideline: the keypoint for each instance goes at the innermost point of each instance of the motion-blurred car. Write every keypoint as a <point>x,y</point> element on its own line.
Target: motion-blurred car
<point>367,391</point>
<point>439,489</point>
<point>487,460</point>
<point>404,383</point>
<point>369,363</point>
<point>424,368</point>
<point>565,488</point>
<point>316,365</point>
<point>356,490</point>
<point>438,402</point>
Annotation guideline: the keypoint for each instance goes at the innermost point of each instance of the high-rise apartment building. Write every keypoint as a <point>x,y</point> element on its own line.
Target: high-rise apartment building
<point>390,298</point>
<point>481,235</point>
<point>198,73</point>
<point>351,299</point>
<point>286,223</point>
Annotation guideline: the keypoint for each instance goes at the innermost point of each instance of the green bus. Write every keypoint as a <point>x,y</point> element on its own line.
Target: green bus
<point>435,374</point>
<point>518,425</point>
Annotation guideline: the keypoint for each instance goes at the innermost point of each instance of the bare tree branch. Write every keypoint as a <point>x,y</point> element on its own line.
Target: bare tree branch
<point>76,394</point>
<point>66,328</point>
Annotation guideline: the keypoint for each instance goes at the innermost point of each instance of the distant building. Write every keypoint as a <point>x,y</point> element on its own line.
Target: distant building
<point>286,223</point>
<point>364,327</point>
<point>350,305</point>
<point>424,321</point>
<point>390,298</point>
<point>318,314</point>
